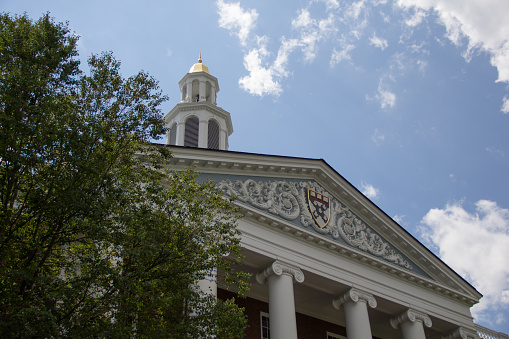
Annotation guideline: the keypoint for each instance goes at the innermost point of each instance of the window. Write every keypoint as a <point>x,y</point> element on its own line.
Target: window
<point>265,325</point>
<point>191,134</point>
<point>334,336</point>
<point>213,142</point>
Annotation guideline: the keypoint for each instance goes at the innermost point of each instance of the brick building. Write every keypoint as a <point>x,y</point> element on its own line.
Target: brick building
<point>326,262</point>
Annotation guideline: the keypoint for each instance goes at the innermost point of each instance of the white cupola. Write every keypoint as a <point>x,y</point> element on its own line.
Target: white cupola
<point>197,121</point>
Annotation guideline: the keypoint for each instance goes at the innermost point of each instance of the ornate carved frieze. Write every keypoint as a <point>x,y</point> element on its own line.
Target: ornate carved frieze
<point>291,201</point>
<point>278,268</point>
<point>354,295</point>
<point>412,316</point>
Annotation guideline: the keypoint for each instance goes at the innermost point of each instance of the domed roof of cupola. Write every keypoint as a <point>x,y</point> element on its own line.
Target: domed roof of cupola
<point>199,67</point>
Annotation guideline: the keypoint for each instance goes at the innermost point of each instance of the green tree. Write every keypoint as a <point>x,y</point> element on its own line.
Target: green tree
<point>98,237</point>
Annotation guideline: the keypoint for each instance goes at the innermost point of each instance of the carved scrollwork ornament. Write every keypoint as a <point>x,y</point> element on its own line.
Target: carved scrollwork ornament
<point>412,316</point>
<point>462,333</point>
<point>279,268</point>
<point>354,295</point>
<point>288,200</point>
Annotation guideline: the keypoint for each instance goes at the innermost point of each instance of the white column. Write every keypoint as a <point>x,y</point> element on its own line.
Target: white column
<point>189,93</point>
<point>223,140</point>
<point>203,133</point>
<point>181,126</point>
<point>208,285</point>
<point>203,96</point>
<point>355,304</point>
<point>411,323</point>
<point>280,277</point>
<point>213,95</point>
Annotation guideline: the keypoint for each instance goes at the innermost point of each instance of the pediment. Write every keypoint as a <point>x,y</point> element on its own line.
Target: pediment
<point>274,191</point>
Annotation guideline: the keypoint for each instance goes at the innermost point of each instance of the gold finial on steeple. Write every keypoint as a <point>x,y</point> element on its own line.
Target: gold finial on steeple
<point>199,67</point>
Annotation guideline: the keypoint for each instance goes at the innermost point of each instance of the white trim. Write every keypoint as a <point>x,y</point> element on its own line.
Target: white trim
<point>264,315</point>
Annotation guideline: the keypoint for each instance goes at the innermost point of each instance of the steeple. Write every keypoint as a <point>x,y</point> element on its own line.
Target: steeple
<point>197,121</point>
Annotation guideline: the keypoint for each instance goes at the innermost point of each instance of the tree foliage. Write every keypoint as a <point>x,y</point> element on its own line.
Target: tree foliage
<point>98,237</point>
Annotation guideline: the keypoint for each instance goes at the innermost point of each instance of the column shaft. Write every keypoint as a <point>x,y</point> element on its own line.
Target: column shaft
<point>282,307</point>
<point>357,320</point>
<point>411,323</point>
<point>203,134</point>
<point>412,330</point>
<point>203,95</point>
<point>181,126</point>
<point>223,141</point>
<point>355,305</point>
<point>280,277</point>
<point>189,92</point>
<point>213,95</point>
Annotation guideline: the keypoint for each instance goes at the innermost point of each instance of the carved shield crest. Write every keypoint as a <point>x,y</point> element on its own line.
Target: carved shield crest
<point>319,205</point>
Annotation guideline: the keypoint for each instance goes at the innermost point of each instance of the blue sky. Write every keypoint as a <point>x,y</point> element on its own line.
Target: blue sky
<point>407,99</point>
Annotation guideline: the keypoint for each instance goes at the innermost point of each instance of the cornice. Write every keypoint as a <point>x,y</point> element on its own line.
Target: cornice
<point>203,105</point>
<point>199,75</point>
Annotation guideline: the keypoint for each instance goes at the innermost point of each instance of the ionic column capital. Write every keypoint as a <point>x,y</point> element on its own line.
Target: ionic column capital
<point>412,316</point>
<point>354,295</point>
<point>279,268</point>
<point>462,333</point>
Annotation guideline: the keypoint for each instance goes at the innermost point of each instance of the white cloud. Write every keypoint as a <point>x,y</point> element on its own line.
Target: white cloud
<point>264,76</point>
<point>495,151</point>
<point>399,218</point>
<point>286,48</point>
<point>483,23</point>
<point>303,20</point>
<point>312,31</point>
<point>237,20</point>
<point>329,4</point>
<point>416,18</point>
<point>476,246</point>
<point>369,190</point>
<point>261,79</point>
<point>378,137</point>
<point>386,98</point>
<point>355,9</point>
<point>422,64</point>
<point>343,54</point>
<point>378,42</point>
<point>505,105</point>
